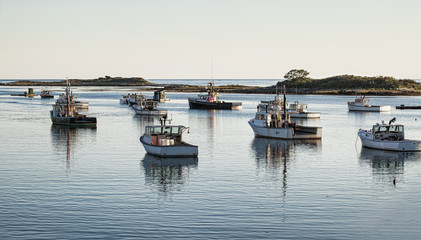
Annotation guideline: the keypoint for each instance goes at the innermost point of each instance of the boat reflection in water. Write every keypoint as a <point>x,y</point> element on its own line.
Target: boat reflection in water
<point>145,120</point>
<point>167,174</point>
<point>66,139</point>
<point>387,166</point>
<point>272,155</point>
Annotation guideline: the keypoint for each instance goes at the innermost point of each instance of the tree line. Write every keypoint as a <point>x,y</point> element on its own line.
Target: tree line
<point>298,79</point>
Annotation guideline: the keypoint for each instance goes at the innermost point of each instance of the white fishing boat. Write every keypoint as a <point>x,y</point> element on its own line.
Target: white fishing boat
<point>274,122</point>
<point>295,110</point>
<point>388,137</point>
<point>167,141</point>
<point>148,107</point>
<point>299,110</point>
<point>362,104</point>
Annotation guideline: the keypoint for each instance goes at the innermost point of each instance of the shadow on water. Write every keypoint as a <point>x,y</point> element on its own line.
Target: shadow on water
<point>167,174</point>
<point>387,166</point>
<point>66,139</point>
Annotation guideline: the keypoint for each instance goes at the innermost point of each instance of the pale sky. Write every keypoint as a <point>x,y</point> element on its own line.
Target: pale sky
<point>178,38</point>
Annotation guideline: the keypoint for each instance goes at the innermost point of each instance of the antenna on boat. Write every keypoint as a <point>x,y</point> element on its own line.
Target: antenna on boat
<point>164,119</point>
<point>285,104</point>
<point>392,120</point>
<point>212,68</point>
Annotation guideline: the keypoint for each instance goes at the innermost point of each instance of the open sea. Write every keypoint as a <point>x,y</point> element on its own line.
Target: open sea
<point>61,183</point>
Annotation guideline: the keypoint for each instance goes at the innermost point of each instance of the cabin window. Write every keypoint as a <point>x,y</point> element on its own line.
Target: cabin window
<point>400,128</point>
<point>393,129</point>
<point>148,131</point>
<point>383,129</point>
<point>157,130</point>
<point>167,130</point>
<point>175,130</point>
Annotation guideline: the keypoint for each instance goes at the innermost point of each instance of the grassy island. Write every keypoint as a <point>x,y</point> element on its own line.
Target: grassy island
<point>296,82</point>
<point>101,81</point>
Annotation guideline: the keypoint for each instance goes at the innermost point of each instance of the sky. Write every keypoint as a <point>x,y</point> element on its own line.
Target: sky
<point>226,39</point>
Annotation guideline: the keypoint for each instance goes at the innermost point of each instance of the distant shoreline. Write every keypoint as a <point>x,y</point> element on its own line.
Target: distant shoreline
<point>240,89</point>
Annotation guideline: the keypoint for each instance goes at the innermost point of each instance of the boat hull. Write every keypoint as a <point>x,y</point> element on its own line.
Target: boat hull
<point>151,112</point>
<point>408,107</point>
<point>194,104</point>
<point>299,132</point>
<point>183,150</point>
<point>73,121</point>
<point>304,115</point>
<point>368,108</point>
<point>400,146</point>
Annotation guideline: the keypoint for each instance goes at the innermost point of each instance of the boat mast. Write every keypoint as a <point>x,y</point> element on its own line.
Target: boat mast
<point>68,97</point>
<point>285,105</point>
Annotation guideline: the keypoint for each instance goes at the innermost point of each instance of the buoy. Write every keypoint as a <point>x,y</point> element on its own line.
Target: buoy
<point>394,181</point>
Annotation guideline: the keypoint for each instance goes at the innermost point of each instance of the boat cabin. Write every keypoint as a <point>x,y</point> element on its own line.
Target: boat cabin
<point>298,107</point>
<point>361,101</point>
<point>148,104</point>
<point>272,119</point>
<point>388,132</point>
<point>165,135</point>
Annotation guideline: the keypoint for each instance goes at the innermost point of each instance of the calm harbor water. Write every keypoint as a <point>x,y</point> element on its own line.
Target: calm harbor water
<point>60,183</point>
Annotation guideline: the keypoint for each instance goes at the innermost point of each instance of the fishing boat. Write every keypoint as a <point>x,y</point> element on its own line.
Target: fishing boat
<point>362,104</point>
<point>66,115</point>
<point>295,110</point>
<point>134,98</point>
<point>148,107</point>
<point>167,141</point>
<point>46,94</point>
<point>299,110</point>
<point>274,122</point>
<point>388,137</point>
<point>211,101</point>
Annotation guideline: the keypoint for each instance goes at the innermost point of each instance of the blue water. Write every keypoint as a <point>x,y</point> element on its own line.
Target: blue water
<point>59,183</point>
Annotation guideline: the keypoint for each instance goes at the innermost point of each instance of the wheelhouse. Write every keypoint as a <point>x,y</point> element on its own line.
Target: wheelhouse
<point>388,131</point>
<point>164,130</point>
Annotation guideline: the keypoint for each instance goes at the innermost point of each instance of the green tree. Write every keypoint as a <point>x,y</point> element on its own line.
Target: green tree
<point>296,74</point>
